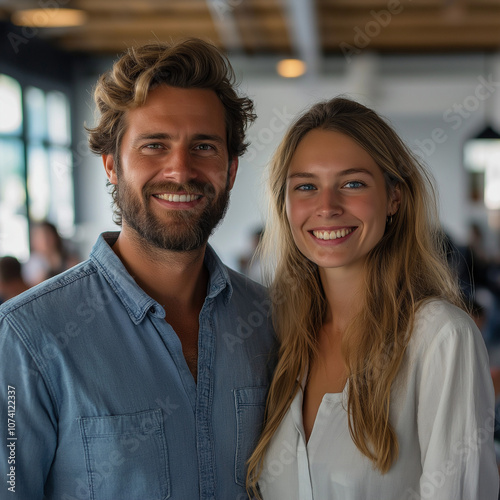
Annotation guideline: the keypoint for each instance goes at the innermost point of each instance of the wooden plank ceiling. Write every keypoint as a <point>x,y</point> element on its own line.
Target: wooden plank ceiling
<point>313,28</point>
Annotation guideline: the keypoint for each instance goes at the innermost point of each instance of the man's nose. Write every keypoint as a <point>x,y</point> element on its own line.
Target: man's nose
<point>179,166</point>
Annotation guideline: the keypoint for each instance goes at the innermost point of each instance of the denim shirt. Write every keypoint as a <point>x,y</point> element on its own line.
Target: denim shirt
<point>97,401</point>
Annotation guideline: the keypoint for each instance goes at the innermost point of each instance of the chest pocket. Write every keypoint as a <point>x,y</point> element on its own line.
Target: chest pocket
<point>126,456</point>
<point>250,406</point>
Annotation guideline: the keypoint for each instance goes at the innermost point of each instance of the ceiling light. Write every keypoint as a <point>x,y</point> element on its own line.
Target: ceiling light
<point>49,18</point>
<point>291,68</point>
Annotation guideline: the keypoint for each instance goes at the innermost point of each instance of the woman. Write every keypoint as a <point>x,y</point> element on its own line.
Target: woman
<point>382,390</point>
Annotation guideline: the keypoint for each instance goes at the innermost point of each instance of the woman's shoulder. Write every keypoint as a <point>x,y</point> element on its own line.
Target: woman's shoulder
<point>442,336</point>
<point>437,321</point>
<point>439,312</point>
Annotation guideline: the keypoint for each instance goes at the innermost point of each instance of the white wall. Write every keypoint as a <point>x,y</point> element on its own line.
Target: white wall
<point>434,103</point>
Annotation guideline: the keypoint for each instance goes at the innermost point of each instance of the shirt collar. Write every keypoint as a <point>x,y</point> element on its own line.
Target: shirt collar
<point>135,300</point>
<point>219,281</point>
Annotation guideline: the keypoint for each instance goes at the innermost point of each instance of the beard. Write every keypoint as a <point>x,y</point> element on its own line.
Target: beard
<point>185,230</point>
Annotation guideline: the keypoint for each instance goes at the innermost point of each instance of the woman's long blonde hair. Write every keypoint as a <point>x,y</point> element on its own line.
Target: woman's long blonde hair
<point>405,268</point>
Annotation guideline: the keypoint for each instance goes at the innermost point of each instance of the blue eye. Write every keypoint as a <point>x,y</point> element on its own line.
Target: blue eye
<point>153,148</point>
<point>354,184</point>
<point>305,187</point>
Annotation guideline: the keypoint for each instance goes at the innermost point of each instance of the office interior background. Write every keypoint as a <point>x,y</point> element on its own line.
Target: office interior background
<point>431,67</point>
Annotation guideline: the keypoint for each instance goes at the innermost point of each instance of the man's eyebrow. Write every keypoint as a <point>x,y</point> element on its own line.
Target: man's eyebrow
<point>151,137</point>
<point>163,136</point>
<point>209,137</point>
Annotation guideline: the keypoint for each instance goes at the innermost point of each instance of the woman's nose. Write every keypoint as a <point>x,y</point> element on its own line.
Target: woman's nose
<point>329,204</point>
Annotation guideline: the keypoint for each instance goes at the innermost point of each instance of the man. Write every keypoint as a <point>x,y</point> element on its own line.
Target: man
<point>11,278</point>
<point>142,373</point>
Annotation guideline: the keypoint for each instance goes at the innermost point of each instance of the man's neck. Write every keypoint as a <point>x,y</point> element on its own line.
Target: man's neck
<point>173,279</point>
<point>176,280</point>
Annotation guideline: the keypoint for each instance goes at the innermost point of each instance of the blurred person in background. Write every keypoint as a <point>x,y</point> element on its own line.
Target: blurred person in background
<point>142,373</point>
<point>11,279</point>
<point>479,276</point>
<point>49,254</point>
<point>470,273</point>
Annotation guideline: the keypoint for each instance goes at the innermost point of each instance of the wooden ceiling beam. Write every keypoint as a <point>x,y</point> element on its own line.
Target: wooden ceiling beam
<point>106,43</point>
<point>112,45</point>
<point>415,40</point>
<point>137,25</point>
<point>263,26</point>
<point>262,32</point>
<point>328,5</point>
<point>343,19</point>
<point>175,7</point>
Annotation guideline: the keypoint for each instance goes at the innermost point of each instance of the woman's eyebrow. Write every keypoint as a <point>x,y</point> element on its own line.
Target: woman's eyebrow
<point>303,175</point>
<point>348,171</point>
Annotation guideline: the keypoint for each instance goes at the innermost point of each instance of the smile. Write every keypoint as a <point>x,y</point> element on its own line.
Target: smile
<point>178,198</point>
<point>333,235</point>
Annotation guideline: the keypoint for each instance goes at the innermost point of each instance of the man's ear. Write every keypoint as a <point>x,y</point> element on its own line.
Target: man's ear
<point>109,167</point>
<point>233,168</point>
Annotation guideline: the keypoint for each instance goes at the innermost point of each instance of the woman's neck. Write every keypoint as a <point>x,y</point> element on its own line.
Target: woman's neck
<point>343,296</point>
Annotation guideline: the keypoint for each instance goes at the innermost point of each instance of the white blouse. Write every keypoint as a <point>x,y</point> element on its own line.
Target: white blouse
<point>442,410</point>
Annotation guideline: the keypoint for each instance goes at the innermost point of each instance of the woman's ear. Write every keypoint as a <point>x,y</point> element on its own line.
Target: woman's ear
<point>394,200</point>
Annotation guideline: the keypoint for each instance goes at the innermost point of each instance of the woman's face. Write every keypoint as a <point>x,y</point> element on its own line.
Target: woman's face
<point>336,200</point>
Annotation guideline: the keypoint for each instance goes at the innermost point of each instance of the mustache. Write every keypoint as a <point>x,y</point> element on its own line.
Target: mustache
<point>192,187</point>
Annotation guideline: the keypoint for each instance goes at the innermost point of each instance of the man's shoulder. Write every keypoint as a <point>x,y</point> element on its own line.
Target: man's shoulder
<point>243,284</point>
<point>59,290</point>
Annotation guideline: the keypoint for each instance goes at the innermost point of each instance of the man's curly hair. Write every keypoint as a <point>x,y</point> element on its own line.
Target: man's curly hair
<point>190,63</point>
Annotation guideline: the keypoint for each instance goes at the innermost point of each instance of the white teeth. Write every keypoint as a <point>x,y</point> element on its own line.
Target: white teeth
<point>332,235</point>
<point>178,198</point>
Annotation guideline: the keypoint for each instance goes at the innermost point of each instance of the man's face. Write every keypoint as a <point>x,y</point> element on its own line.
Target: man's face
<point>173,175</point>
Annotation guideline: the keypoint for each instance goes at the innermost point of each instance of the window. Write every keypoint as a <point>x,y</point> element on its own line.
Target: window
<point>36,180</point>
